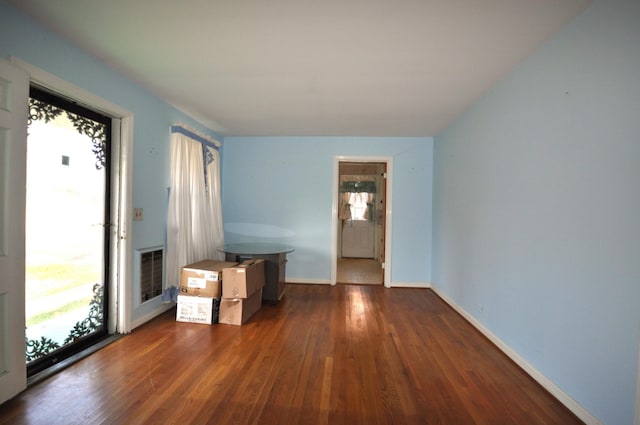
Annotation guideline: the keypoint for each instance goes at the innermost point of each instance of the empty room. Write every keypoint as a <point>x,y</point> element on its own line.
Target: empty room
<point>443,195</point>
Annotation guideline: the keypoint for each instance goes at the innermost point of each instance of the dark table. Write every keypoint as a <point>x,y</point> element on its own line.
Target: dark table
<point>275,260</point>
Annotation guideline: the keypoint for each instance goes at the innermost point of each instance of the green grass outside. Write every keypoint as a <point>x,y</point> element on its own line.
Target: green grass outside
<point>59,310</point>
<point>48,280</point>
<point>55,278</point>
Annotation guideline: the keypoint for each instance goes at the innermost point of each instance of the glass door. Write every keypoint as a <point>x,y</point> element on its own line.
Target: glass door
<point>67,229</point>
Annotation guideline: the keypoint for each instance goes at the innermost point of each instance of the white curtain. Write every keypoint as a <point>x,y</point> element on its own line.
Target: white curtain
<point>215,203</point>
<point>194,219</point>
<point>345,207</point>
<point>361,205</point>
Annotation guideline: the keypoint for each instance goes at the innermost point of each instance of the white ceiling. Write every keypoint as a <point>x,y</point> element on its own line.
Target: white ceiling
<point>311,67</point>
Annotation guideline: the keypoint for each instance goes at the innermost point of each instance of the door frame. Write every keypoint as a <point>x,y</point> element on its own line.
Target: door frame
<point>121,188</point>
<point>388,216</point>
<point>14,111</point>
<point>637,410</point>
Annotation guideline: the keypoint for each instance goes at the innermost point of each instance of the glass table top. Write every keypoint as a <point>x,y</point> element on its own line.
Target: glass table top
<point>249,248</point>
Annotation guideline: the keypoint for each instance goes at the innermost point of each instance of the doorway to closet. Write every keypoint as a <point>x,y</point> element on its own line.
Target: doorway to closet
<point>361,218</point>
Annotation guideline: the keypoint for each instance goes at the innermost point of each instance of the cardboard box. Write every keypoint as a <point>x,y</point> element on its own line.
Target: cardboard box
<point>196,309</point>
<point>238,311</point>
<point>203,278</point>
<point>244,279</point>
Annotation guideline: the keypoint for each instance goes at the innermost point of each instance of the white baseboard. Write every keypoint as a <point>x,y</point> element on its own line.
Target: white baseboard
<point>562,397</point>
<point>144,319</point>
<point>423,285</point>
<point>637,415</point>
<point>309,281</point>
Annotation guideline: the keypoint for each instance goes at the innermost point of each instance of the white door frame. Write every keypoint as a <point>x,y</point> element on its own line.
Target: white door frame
<point>388,209</point>
<point>14,109</point>
<point>121,188</point>
<point>637,413</point>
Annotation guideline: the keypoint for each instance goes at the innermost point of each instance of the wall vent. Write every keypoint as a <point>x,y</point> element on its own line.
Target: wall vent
<point>151,274</point>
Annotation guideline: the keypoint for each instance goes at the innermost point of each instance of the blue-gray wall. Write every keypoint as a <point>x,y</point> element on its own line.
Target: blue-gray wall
<point>282,189</point>
<point>27,40</point>
<point>537,209</point>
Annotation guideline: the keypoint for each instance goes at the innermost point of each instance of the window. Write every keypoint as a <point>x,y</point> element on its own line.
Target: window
<point>358,206</point>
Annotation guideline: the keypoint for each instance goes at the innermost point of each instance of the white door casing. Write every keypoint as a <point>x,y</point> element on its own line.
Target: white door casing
<point>388,214</point>
<point>121,187</point>
<point>637,415</point>
<point>14,94</point>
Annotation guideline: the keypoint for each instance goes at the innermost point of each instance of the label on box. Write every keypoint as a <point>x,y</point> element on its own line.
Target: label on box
<point>197,282</point>
<point>212,276</point>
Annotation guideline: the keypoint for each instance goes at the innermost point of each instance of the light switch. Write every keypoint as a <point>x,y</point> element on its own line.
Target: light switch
<point>138,214</point>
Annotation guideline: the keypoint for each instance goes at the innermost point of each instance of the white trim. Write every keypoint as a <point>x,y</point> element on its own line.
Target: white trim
<point>334,222</point>
<point>560,395</point>
<point>388,207</point>
<point>64,88</point>
<point>308,281</point>
<point>121,184</point>
<point>637,416</point>
<point>14,108</point>
<point>112,323</point>
<point>124,278</point>
<point>421,285</point>
<point>155,313</point>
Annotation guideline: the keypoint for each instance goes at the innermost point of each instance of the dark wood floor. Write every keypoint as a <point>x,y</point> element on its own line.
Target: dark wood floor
<point>324,355</point>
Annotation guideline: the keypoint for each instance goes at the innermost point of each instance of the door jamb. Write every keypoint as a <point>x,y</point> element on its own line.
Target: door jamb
<point>121,188</point>
<point>637,409</point>
<point>388,216</point>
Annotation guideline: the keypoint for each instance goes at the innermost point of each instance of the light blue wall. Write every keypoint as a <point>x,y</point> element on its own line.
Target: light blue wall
<point>535,202</point>
<point>537,207</point>
<point>281,189</point>
<point>25,39</point>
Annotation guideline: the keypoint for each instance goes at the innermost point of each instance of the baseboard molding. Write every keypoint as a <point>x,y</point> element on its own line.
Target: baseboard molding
<point>562,397</point>
<point>309,281</point>
<point>144,319</point>
<point>421,285</point>
<point>637,415</point>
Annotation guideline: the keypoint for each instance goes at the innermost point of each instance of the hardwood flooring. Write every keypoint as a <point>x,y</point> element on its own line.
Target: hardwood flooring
<point>347,354</point>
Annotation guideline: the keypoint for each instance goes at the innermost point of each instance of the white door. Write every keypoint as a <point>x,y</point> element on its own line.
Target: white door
<point>358,239</point>
<point>14,94</point>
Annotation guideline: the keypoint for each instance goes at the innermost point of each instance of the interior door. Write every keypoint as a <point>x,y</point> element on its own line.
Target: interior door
<point>14,93</point>
<point>358,240</point>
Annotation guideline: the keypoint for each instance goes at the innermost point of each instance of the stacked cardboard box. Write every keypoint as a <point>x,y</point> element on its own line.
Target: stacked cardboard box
<point>195,309</point>
<point>200,291</point>
<point>241,292</point>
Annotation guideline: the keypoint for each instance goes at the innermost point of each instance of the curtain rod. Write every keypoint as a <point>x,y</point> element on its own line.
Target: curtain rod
<point>199,137</point>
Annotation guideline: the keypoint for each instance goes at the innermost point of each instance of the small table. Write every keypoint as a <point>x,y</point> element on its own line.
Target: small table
<point>275,260</point>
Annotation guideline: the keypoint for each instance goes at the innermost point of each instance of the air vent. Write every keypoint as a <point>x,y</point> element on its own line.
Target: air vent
<point>151,267</point>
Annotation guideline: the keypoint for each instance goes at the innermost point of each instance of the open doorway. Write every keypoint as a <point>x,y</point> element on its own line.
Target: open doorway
<point>361,222</point>
<point>114,187</point>
<point>67,229</point>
